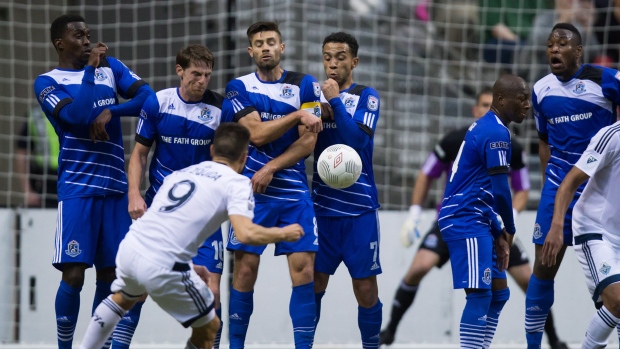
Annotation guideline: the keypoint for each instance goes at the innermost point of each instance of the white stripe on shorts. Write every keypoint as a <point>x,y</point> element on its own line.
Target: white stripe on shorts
<point>58,242</point>
<point>472,262</point>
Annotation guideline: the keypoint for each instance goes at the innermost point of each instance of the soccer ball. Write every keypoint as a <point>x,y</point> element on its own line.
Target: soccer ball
<point>339,166</point>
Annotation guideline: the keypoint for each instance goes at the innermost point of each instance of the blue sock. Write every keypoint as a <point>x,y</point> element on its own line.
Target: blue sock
<point>218,335</point>
<point>102,291</point>
<point>302,309</point>
<point>369,322</point>
<point>126,327</point>
<point>317,299</point>
<point>498,301</point>
<point>240,309</point>
<point>473,321</point>
<point>538,301</point>
<point>67,309</point>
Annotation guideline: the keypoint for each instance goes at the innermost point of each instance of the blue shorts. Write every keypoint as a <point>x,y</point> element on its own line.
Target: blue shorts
<point>279,214</point>
<point>474,263</point>
<point>544,216</point>
<point>211,253</point>
<point>352,240</point>
<point>89,230</point>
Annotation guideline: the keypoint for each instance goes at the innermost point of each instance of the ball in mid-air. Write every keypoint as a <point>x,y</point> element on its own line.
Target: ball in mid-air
<point>339,166</point>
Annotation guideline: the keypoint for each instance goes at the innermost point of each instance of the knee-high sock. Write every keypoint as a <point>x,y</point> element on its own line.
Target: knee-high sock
<point>473,321</point>
<point>498,301</point>
<point>101,325</point>
<point>67,309</point>
<point>538,302</point>
<point>102,291</point>
<point>601,326</point>
<point>218,335</point>
<point>369,322</point>
<point>317,299</point>
<point>121,338</point>
<point>402,301</point>
<point>302,309</point>
<point>240,309</point>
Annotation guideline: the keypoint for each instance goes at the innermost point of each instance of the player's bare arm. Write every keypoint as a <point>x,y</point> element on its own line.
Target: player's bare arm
<point>302,147</point>
<point>544,153</point>
<point>502,249</point>
<point>254,234</point>
<point>262,133</point>
<point>519,200</point>
<point>566,192</point>
<point>135,174</point>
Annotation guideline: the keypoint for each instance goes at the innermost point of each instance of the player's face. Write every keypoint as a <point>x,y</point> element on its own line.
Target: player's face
<point>519,106</point>
<point>75,42</point>
<point>563,54</point>
<point>338,62</point>
<point>483,105</point>
<point>266,49</point>
<point>194,80</point>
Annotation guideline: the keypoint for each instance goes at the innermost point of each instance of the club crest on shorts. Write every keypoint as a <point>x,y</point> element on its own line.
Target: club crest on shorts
<point>537,232</point>
<point>73,249</point>
<point>233,238</point>
<point>486,278</point>
<point>431,241</point>
<point>605,268</point>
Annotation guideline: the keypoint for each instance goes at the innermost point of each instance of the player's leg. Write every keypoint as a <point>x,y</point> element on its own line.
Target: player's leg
<point>204,337</point>
<point>432,252</point>
<point>328,257</point>
<point>500,295</point>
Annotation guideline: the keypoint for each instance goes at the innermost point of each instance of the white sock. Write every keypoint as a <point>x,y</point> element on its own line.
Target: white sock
<point>601,325</point>
<point>190,345</point>
<point>104,319</point>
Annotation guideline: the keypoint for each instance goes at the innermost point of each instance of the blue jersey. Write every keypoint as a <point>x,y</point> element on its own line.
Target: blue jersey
<point>569,113</point>
<point>182,131</point>
<point>86,168</point>
<point>362,105</point>
<point>468,207</point>
<point>273,100</point>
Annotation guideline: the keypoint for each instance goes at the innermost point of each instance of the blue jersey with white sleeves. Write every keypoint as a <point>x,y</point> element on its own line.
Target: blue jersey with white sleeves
<point>85,168</point>
<point>468,207</point>
<point>360,104</point>
<point>273,100</point>
<point>182,131</point>
<point>569,113</point>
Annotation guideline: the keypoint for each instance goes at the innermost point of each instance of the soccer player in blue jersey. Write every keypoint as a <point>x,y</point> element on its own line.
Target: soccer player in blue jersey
<point>80,100</point>
<point>476,205</point>
<point>271,103</point>
<point>181,122</point>
<point>347,219</point>
<point>570,105</point>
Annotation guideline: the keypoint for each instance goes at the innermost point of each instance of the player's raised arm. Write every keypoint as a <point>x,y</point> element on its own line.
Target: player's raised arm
<point>254,234</point>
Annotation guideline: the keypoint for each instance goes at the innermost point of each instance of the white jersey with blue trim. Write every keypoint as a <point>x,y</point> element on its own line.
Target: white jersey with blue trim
<point>468,205</point>
<point>273,100</point>
<point>362,104</point>
<point>569,113</point>
<point>86,168</point>
<point>182,131</point>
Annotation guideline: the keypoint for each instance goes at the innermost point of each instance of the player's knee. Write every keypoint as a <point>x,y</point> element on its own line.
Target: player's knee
<point>611,299</point>
<point>106,274</point>
<point>206,332</point>
<point>73,275</point>
<point>366,292</point>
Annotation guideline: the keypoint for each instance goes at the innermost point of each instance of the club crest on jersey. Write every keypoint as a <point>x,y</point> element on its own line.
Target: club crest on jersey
<point>205,114</point>
<point>349,102</point>
<point>591,159</point>
<point>605,268</point>
<point>373,103</point>
<point>99,75</point>
<point>486,277</point>
<point>287,92</point>
<point>317,89</point>
<point>537,232</point>
<point>580,88</point>
<point>73,249</point>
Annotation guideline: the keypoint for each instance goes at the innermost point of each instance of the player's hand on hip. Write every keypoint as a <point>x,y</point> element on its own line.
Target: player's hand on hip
<point>96,53</point>
<point>137,206</point>
<point>553,243</point>
<point>502,250</point>
<point>327,113</point>
<point>330,89</point>
<point>409,230</point>
<point>292,233</point>
<point>312,122</point>
<point>262,178</point>
<point>97,127</point>
<point>203,272</point>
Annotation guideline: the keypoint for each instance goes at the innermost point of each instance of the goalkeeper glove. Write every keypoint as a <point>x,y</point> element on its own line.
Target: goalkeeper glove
<point>409,231</point>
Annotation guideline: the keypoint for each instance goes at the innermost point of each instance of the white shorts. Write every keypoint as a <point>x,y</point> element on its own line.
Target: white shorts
<point>600,261</point>
<point>179,290</point>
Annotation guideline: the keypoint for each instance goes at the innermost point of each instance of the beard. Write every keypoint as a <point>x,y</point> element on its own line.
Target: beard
<point>266,65</point>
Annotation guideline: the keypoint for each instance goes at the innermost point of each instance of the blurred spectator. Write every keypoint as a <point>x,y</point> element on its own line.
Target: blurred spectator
<point>506,24</point>
<point>532,61</point>
<point>607,29</point>
<point>36,161</point>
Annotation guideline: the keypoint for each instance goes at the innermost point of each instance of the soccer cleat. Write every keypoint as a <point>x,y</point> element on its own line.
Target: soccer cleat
<point>386,337</point>
<point>559,345</point>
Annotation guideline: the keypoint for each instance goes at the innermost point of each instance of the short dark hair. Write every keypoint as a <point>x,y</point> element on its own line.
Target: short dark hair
<point>263,27</point>
<point>344,38</point>
<point>195,53</point>
<point>570,28</point>
<point>231,140</point>
<point>59,25</point>
<point>485,91</point>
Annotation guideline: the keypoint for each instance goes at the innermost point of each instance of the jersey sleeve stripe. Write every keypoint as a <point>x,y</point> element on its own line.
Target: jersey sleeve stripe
<point>602,143</point>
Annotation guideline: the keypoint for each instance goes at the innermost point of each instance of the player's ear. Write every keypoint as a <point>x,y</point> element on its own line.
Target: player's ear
<point>58,44</point>
<point>282,46</point>
<point>355,62</point>
<point>250,52</point>
<point>179,70</point>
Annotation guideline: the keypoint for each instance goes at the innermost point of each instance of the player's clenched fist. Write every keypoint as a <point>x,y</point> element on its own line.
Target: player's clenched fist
<point>311,121</point>
<point>330,89</point>
<point>292,233</point>
<point>96,53</point>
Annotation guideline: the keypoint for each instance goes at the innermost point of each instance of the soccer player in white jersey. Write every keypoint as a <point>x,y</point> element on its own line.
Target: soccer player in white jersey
<point>596,229</point>
<point>570,106</point>
<point>181,122</point>
<point>80,100</point>
<point>155,256</point>
<point>347,219</point>
<point>271,103</point>
<point>476,202</point>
